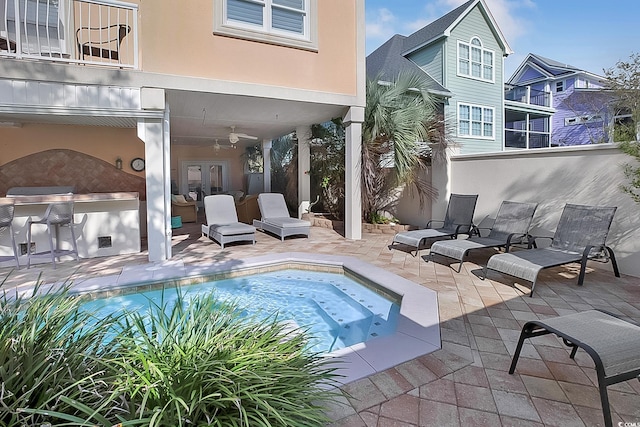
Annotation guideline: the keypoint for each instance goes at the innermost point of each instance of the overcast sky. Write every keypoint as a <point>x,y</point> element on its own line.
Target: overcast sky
<point>588,34</point>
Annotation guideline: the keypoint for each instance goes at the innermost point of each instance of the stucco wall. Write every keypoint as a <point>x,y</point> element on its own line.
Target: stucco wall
<point>589,175</point>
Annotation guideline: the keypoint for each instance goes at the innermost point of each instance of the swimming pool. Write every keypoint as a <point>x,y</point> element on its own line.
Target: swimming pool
<point>335,310</point>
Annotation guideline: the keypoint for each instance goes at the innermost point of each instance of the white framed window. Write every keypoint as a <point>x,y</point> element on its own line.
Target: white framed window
<point>284,22</point>
<point>560,86</point>
<point>475,61</point>
<point>476,121</point>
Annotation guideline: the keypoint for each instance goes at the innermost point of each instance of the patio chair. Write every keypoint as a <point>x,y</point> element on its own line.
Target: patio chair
<point>275,217</point>
<point>581,235</point>
<point>612,343</point>
<point>6,223</point>
<point>222,221</point>
<point>510,227</point>
<point>458,220</point>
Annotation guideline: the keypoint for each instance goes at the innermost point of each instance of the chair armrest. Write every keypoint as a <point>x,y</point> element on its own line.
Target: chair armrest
<point>532,240</point>
<point>429,224</point>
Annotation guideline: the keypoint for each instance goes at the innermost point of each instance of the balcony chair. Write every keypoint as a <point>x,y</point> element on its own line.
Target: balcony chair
<point>222,221</point>
<point>511,226</point>
<point>581,235</point>
<point>107,47</point>
<point>6,223</point>
<point>458,220</point>
<point>56,215</point>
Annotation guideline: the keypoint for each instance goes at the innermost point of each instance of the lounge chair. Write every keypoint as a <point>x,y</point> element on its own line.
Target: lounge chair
<point>458,220</point>
<point>275,217</point>
<point>581,235</point>
<point>510,226</point>
<point>222,221</point>
<point>612,343</point>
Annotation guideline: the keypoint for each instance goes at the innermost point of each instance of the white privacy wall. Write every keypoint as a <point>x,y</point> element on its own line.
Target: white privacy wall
<point>589,175</point>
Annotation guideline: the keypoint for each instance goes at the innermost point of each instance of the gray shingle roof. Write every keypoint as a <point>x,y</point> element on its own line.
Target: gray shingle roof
<point>552,67</point>
<point>387,62</point>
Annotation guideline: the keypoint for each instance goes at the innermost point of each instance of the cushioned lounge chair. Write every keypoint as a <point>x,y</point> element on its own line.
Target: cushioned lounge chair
<point>510,226</point>
<point>612,343</point>
<point>275,217</point>
<point>581,235</point>
<point>222,221</point>
<point>458,220</point>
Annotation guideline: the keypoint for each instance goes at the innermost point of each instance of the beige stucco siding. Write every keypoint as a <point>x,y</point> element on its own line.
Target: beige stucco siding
<point>180,41</point>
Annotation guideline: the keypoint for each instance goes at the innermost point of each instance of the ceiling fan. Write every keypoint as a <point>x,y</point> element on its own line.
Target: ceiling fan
<point>235,137</point>
<point>217,146</point>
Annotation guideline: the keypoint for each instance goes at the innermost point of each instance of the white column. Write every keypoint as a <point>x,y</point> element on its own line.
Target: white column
<point>353,156</point>
<point>304,166</point>
<point>155,135</point>
<point>266,165</point>
<point>441,178</point>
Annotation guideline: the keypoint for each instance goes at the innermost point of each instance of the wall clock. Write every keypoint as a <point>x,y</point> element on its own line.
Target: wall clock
<point>137,164</point>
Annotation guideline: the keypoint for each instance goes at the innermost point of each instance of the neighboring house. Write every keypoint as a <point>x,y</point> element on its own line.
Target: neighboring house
<point>580,107</point>
<point>87,86</point>
<point>462,55</point>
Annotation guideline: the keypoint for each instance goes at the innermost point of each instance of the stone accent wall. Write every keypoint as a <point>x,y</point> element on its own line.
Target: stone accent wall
<point>60,167</point>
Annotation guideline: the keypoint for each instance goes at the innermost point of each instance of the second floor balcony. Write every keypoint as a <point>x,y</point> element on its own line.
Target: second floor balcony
<point>97,32</point>
<point>527,95</point>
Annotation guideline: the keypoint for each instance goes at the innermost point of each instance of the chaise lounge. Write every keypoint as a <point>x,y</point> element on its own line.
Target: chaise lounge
<point>458,220</point>
<point>222,221</point>
<point>510,227</point>
<point>275,217</point>
<point>581,235</point>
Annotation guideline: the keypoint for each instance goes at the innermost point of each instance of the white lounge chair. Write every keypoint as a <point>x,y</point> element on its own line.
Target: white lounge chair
<point>276,219</point>
<point>222,221</point>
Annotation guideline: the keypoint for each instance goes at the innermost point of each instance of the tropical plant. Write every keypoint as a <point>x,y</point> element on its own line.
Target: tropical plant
<point>284,169</point>
<point>202,363</point>
<point>623,81</point>
<point>327,166</point>
<point>400,117</point>
<point>49,360</point>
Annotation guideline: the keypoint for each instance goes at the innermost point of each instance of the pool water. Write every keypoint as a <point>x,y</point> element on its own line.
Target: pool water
<point>337,311</point>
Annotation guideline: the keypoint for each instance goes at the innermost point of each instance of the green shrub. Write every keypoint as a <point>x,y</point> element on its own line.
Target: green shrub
<point>201,363</point>
<point>198,363</point>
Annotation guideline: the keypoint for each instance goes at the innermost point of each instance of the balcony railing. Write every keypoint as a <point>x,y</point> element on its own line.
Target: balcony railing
<point>99,32</point>
<point>522,139</point>
<point>527,95</point>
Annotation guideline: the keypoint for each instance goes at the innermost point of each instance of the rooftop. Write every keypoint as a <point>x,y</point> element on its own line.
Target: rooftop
<point>464,383</point>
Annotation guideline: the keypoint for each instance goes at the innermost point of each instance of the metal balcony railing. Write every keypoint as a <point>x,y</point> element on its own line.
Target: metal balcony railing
<point>98,32</point>
<point>522,139</point>
<point>527,95</point>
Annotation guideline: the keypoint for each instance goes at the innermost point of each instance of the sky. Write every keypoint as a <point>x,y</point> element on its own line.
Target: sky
<point>589,34</point>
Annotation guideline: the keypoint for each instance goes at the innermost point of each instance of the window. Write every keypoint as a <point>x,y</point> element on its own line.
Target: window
<point>475,61</point>
<point>475,121</point>
<point>285,22</point>
<point>560,86</point>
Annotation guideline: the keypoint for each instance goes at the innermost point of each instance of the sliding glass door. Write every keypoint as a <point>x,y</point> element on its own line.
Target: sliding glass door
<point>203,178</point>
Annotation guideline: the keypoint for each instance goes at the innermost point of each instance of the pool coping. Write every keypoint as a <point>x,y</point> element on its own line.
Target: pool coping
<point>418,327</point>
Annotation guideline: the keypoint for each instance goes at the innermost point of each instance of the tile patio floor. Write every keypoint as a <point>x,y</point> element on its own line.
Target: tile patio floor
<point>466,383</point>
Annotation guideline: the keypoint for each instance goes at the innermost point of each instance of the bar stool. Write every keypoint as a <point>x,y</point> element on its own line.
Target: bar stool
<point>56,215</point>
<point>6,223</point>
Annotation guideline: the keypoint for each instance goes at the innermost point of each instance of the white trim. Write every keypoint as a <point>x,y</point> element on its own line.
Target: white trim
<point>266,34</point>
<point>482,122</point>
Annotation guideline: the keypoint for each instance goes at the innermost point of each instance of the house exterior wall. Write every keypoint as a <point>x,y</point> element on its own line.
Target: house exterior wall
<point>530,74</point>
<point>474,91</point>
<point>179,40</point>
<point>431,60</point>
<point>590,175</point>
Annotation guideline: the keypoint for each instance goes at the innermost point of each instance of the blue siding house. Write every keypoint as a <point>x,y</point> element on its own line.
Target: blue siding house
<point>462,55</point>
<point>580,107</point>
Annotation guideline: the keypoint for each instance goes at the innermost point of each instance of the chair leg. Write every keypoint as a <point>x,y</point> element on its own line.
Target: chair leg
<point>516,355</point>
<point>29,244</point>
<point>614,263</point>
<point>15,247</point>
<point>53,257</point>
<point>533,285</point>
<point>74,244</point>
<point>604,399</point>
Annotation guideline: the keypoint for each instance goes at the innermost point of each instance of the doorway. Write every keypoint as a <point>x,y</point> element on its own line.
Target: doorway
<point>203,178</point>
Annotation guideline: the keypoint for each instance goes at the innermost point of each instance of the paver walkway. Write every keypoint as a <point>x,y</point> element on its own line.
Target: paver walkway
<point>466,383</point>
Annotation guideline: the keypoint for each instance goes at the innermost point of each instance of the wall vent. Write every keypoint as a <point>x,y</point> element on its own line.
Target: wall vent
<point>104,242</point>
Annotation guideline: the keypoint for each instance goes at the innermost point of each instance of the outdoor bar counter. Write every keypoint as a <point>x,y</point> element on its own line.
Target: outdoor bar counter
<point>105,224</point>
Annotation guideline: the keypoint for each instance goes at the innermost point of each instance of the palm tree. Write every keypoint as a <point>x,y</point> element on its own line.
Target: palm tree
<point>401,117</point>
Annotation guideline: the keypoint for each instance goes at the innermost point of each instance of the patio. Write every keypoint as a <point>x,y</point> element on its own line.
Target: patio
<point>465,383</point>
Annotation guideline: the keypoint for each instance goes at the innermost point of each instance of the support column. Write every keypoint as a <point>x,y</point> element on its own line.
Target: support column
<point>441,177</point>
<point>304,166</point>
<point>352,170</point>
<point>155,135</point>
<point>266,165</point>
